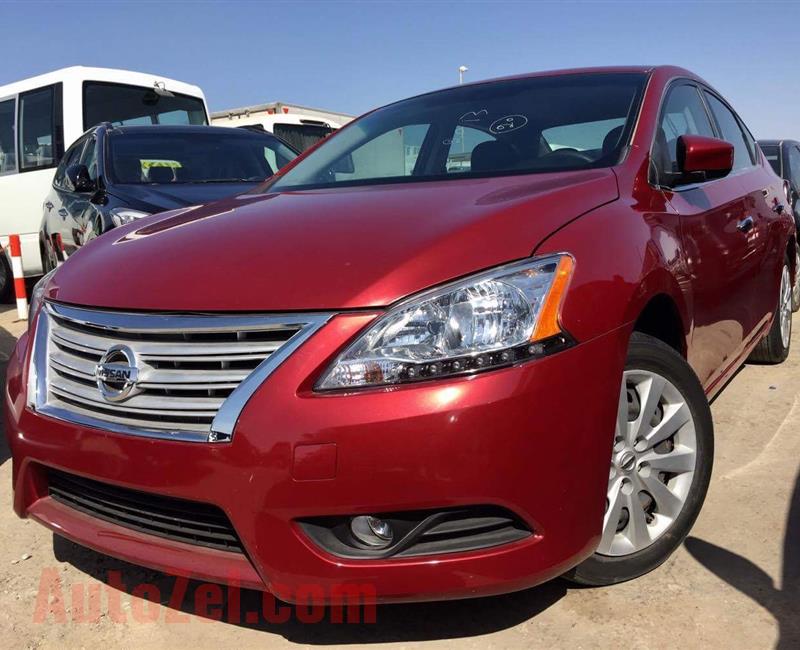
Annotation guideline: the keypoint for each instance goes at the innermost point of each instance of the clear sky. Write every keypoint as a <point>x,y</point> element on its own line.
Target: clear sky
<point>352,56</point>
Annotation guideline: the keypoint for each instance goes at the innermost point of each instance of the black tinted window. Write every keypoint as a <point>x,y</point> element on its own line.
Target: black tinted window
<point>794,167</point>
<point>134,105</point>
<point>227,155</point>
<point>683,113</point>
<point>413,140</point>
<point>302,136</point>
<point>8,156</point>
<point>773,155</point>
<point>731,132</point>
<point>37,129</point>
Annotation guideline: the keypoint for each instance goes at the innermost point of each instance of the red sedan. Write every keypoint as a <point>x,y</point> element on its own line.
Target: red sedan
<point>462,347</point>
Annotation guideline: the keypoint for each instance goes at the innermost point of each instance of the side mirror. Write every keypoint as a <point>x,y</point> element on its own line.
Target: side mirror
<point>78,179</point>
<point>701,158</point>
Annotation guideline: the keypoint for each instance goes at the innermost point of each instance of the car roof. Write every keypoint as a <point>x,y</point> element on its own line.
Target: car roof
<point>668,70</point>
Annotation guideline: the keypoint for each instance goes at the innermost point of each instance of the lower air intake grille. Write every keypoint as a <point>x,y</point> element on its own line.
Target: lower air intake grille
<point>191,522</point>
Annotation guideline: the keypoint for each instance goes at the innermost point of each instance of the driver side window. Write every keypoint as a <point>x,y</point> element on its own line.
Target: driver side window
<point>464,141</point>
<point>70,158</point>
<point>683,113</point>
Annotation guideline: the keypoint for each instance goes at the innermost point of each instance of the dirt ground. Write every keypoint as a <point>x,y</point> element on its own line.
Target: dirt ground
<point>734,584</point>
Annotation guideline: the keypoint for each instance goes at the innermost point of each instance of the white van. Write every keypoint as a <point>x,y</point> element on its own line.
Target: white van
<point>300,126</point>
<point>41,116</point>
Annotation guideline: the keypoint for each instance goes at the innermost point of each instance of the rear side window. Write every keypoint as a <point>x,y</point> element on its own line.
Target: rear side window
<point>8,154</point>
<point>37,137</point>
<point>683,113</point>
<point>794,167</point>
<point>731,131</point>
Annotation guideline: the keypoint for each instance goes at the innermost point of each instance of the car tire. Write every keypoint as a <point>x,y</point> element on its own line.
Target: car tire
<point>774,347</point>
<point>6,279</point>
<point>660,468</point>
<point>796,286</point>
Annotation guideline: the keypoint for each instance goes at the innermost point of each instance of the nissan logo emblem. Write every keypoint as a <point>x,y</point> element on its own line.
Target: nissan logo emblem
<point>116,373</point>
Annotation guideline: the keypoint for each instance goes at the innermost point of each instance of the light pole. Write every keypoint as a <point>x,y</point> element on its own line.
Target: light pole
<point>461,70</point>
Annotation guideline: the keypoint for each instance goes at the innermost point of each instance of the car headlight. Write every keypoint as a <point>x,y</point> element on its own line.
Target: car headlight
<point>489,320</point>
<point>121,216</point>
<point>37,295</point>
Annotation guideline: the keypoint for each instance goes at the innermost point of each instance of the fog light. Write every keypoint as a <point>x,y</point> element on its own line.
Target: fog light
<point>372,531</point>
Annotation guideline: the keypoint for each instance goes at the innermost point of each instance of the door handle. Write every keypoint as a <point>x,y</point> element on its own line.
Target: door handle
<point>745,225</point>
<point>48,205</point>
<point>63,212</point>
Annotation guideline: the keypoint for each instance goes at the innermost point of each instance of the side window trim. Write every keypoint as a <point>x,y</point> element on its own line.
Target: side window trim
<point>57,127</point>
<point>14,124</point>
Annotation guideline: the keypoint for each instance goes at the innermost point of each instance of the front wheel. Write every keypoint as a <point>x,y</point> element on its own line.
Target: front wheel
<point>660,465</point>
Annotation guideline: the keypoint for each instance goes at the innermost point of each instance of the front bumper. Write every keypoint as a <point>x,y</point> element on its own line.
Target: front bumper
<point>534,439</point>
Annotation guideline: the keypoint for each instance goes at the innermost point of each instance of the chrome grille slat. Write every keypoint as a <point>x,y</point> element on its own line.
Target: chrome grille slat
<point>71,406</point>
<point>140,402</point>
<point>193,372</point>
<point>168,348</point>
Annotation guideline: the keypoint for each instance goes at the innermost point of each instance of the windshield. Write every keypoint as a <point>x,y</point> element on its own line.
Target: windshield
<point>154,156</point>
<point>537,124</point>
<point>134,105</point>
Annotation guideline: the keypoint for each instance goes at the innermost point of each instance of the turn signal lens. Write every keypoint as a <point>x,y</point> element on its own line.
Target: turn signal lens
<point>548,324</point>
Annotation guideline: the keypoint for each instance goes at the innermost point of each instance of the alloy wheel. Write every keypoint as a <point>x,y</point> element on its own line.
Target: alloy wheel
<point>652,463</point>
<point>785,307</point>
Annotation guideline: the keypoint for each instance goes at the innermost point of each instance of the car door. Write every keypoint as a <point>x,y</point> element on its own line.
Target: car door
<point>59,204</point>
<point>765,200</point>
<point>713,218</point>
<point>88,222</point>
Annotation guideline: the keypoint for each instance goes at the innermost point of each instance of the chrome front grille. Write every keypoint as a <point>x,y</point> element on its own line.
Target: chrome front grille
<point>192,374</point>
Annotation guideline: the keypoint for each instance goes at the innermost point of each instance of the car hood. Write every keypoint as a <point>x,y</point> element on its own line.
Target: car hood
<point>344,248</point>
<point>158,198</point>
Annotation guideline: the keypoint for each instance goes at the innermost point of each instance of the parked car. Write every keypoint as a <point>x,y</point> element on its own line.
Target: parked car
<point>42,114</point>
<point>431,380</point>
<point>114,175</point>
<point>784,156</point>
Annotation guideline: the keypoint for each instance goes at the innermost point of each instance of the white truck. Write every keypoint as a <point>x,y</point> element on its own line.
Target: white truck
<point>300,126</point>
<point>41,116</point>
